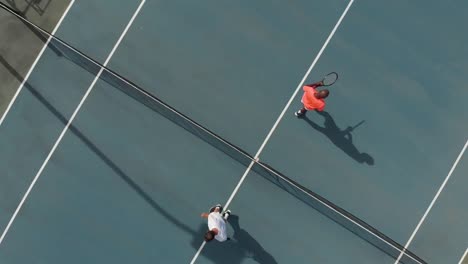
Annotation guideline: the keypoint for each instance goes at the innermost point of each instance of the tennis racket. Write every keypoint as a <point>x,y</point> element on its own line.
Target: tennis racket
<point>330,79</point>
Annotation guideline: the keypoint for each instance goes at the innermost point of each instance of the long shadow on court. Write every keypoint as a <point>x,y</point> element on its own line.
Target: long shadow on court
<point>235,251</point>
<point>115,168</point>
<point>343,139</point>
<point>73,129</point>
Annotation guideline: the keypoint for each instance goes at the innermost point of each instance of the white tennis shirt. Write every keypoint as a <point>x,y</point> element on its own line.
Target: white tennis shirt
<point>215,220</point>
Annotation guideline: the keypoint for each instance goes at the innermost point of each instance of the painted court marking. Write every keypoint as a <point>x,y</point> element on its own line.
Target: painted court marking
<point>35,62</point>
<point>28,191</point>
<point>463,259</point>
<point>256,157</point>
<point>433,202</point>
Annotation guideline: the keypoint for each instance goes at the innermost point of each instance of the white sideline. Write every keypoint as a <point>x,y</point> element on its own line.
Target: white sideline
<point>432,203</point>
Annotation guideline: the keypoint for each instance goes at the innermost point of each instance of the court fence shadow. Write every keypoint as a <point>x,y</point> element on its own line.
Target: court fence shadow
<point>343,139</point>
<point>40,35</point>
<point>40,6</point>
<point>241,246</point>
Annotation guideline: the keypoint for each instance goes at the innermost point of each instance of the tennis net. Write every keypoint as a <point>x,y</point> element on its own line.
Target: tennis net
<point>319,203</point>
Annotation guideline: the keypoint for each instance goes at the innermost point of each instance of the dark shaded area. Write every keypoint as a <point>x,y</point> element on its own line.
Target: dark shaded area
<point>343,139</point>
<point>40,35</point>
<point>14,7</point>
<point>31,4</point>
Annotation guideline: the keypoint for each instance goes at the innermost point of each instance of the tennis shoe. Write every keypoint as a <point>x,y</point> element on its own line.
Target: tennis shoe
<point>226,214</point>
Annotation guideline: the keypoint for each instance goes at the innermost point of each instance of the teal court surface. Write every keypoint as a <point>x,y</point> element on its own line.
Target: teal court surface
<point>138,116</point>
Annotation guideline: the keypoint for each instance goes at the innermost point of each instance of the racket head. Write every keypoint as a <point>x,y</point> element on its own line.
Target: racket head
<point>330,79</point>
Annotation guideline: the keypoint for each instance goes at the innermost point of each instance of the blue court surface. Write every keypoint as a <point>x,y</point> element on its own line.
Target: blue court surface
<point>91,175</point>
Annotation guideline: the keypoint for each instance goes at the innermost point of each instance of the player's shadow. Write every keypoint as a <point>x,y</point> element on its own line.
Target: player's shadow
<point>235,251</point>
<point>343,139</point>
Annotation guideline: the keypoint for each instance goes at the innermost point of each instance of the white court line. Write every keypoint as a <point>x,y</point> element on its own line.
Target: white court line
<point>35,62</point>
<point>433,202</point>
<point>69,123</point>
<point>464,256</point>
<point>272,130</point>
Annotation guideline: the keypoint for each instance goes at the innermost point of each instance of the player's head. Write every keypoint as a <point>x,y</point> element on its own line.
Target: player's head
<point>209,235</point>
<point>322,94</point>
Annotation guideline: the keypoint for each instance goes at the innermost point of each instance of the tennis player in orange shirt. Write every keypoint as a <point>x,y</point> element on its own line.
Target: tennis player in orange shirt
<point>312,99</point>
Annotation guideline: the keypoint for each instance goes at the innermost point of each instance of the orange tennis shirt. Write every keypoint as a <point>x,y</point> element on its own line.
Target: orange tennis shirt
<point>310,101</point>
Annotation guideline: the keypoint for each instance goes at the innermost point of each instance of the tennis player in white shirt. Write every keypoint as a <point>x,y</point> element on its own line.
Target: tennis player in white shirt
<point>216,224</point>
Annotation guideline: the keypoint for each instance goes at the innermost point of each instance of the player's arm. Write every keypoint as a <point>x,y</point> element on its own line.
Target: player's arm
<point>316,84</point>
<point>204,215</point>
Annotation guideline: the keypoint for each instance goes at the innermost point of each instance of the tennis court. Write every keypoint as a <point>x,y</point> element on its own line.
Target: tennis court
<point>138,116</point>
